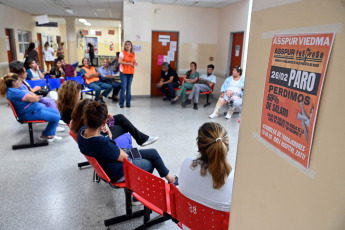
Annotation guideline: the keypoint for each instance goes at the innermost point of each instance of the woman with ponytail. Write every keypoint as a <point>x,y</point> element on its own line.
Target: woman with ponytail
<point>207,179</point>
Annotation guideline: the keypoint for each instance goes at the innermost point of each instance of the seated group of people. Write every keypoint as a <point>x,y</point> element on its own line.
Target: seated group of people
<point>231,90</point>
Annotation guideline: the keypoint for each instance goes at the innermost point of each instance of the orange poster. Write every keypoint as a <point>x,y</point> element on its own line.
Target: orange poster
<point>295,75</point>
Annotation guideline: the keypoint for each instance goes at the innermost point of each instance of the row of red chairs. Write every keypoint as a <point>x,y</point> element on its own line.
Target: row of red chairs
<point>163,198</point>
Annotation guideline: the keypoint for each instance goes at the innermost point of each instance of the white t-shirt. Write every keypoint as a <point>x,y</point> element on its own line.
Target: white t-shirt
<point>235,86</point>
<point>210,78</point>
<point>200,188</point>
<point>49,54</point>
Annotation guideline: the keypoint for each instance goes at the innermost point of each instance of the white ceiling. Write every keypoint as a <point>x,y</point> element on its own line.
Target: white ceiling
<point>105,9</point>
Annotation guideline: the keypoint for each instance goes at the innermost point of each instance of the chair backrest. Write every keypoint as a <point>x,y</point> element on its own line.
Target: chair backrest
<point>54,83</point>
<point>75,65</point>
<point>73,135</point>
<point>195,215</point>
<point>181,80</point>
<point>153,191</point>
<point>40,82</point>
<point>97,167</point>
<point>78,79</point>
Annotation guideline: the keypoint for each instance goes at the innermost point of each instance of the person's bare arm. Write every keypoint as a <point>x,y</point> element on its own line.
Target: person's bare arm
<point>124,63</point>
<point>122,156</point>
<point>92,75</point>
<point>31,98</point>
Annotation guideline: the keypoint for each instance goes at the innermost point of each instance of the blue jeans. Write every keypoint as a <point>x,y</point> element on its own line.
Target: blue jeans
<point>116,87</point>
<point>52,116</point>
<point>126,82</point>
<point>98,86</point>
<point>170,92</point>
<point>151,160</point>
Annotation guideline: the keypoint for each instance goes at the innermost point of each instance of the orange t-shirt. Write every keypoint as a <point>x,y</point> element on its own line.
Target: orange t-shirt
<point>127,57</point>
<point>90,70</point>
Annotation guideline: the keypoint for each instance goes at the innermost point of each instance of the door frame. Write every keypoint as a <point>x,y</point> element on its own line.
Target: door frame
<point>177,49</point>
<point>230,50</point>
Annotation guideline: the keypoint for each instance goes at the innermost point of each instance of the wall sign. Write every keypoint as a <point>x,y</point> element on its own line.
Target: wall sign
<point>294,80</point>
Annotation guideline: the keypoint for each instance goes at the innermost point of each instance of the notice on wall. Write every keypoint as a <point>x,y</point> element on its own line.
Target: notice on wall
<point>295,75</point>
<point>8,47</point>
<point>166,59</point>
<point>237,50</point>
<point>171,55</point>
<point>164,38</point>
<point>173,45</point>
<point>137,48</point>
<point>160,59</point>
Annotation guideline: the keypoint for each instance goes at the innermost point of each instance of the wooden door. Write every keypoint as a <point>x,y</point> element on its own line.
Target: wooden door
<point>58,40</point>
<point>9,46</point>
<point>163,44</point>
<point>40,53</point>
<point>236,50</point>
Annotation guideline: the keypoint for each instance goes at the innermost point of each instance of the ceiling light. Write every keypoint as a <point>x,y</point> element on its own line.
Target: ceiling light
<point>120,25</point>
<point>70,11</point>
<point>82,20</point>
<point>87,23</point>
<point>100,10</point>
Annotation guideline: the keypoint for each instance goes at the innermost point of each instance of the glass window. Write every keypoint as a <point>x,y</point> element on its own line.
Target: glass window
<point>23,41</point>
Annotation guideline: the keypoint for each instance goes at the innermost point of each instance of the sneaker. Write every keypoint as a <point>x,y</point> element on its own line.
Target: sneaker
<point>60,129</point>
<point>228,116</point>
<point>150,141</point>
<point>128,106</point>
<point>61,122</point>
<point>50,138</point>
<point>213,115</point>
<point>195,106</point>
<point>176,181</point>
<point>121,106</point>
<point>188,102</point>
<point>174,99</point>
<point>135,202</point>
<point>166,99</point>
<point>101,100</point>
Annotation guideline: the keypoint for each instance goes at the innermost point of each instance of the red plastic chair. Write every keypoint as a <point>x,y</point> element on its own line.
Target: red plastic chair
<point>129,213</point>
<point>195,215</point>
<point>32,143</point>
<point>150,190</point>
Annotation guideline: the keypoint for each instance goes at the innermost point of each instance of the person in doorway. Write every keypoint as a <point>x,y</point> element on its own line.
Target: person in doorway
<point>231,94</point>
<point>206,83</point>
<point>127,63</point>
<point>169,81</point>
<point>91,51</point>
<point>91,77</point>
<point>108,76</point>
<point>208,179</point>
<point>191,77</point>
<point>48,56</point>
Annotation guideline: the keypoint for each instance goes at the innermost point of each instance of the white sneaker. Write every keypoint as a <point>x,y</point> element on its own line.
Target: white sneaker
<point>150,141</point>
<point>60,129</point>
<point>228,115</point>
<point>51,139</point>
<point>61,122</point>
<point>213,115</point>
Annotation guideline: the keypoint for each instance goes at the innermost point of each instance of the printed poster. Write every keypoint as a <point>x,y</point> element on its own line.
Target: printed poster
<point>295,75</point>
<point>173,45</point>
<point>93,41</point>
<point>160,59</point>
<point>166,59</point>
<point>171,55</point>
<point>137,48</point>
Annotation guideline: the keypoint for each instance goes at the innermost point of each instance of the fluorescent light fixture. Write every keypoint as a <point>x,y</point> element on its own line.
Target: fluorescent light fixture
<point>120,25</point>
<point>70,11</point>
<point>100,10</point>
<point>82,20</point>
<point>87,23</point>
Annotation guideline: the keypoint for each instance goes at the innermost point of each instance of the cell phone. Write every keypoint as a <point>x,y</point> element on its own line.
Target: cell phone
<point>135,153</point>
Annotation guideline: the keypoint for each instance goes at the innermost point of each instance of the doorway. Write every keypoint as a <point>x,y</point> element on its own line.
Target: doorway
<point>164,48</point>
<point>9,45</point>
<point>40,53</point>
<point>235,51</point>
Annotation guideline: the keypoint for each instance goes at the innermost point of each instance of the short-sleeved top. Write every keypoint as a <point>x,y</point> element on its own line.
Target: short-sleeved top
<point>17,96</point>
<point>193,75</point>
<point>57,73</point>
<point>171,72</point>
<point>210,78</point>
<point>235,86</point>
<point>32,55</point>
<point>200,188</point>
<point>105,151</point>
<point>69,70</point>
<point>127,57</point>
<point>105,72</point>
<point>48,54</point>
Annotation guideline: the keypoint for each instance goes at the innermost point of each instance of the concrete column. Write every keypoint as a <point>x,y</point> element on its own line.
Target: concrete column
<point>71,50</point>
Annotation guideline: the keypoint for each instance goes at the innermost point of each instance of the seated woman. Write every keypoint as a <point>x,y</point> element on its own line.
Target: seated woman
<point>207,179</point>
<point>191,77</point>
<point>27,107</point>
<point>92,143</point>
<point>57,71</point>
<point>231,93</point>
<point>69,94</point>
<point>34,72</point>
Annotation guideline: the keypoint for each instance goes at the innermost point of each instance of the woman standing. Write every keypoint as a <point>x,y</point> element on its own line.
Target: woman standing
<point>189,79</point>
<point>48,55</point>
<point>91,53</point>
<point>127,63</point>
<point>231,93</point>
<point>30,54</point>
<point>207,179</point>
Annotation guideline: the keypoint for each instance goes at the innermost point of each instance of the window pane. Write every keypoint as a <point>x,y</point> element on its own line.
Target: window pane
<point>25,37</point>
<point>26,46</point>
<point>21,48</point>
<point>20,37</point>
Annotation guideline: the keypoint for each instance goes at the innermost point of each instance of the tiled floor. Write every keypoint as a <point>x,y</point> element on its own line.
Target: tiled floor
<point>42,188</point>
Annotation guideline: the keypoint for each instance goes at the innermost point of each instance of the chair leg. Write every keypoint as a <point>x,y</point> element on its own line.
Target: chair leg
<point>32,143</point>
<point>129,213</point>
<point>82,164</point>
<point>154,221</point>
<point>207,101</point>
